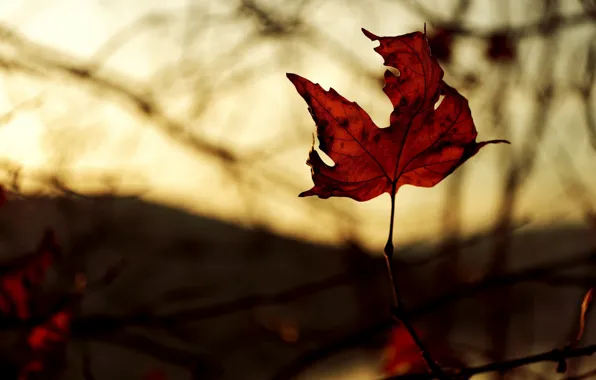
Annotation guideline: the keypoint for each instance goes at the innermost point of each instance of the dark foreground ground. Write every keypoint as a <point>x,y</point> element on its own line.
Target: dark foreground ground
<point>237,303</point>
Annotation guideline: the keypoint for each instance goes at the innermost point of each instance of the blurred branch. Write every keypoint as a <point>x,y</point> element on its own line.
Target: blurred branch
<point>59,182</point>
<point>98,326</point>
<point>27,104</point>
<point>196,363</point>
<point>352,340</point>
<point>153,20</point>
<point>142,101</point>
<point>579,281</point>
<point>545,25</point>
<point>86,359</point>
<point>556,356</point>
<point>573,185</point>
<point>43,61</point>
<point>587,92</point>
<point>586,375</point>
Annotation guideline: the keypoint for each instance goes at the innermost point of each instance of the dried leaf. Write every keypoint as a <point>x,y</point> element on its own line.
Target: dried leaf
<point>421,146</point>
<point>47,342</point>
<point>586,303</point>
<point>19,279</point>
<point>402,356</point>
<point>54,331</point>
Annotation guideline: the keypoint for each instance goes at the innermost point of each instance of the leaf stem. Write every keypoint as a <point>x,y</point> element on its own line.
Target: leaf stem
<point>398,312</point>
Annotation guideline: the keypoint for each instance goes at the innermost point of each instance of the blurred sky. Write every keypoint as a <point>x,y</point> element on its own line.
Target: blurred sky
<point>74,129</point>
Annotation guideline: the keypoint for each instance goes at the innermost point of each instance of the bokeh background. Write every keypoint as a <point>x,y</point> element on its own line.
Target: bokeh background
<point>166,134</point>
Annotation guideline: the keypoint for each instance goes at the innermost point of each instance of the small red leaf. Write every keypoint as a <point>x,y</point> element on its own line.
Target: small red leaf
<point>55,330</point>
<point>17,281</point>
<point>586,303</point>
<point>421,146</point>
<point>33,366</point>
<point>46,341</point>
<point>402,355</point>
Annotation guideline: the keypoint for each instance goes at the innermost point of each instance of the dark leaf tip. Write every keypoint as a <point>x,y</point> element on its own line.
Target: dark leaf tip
<point>370,36</point>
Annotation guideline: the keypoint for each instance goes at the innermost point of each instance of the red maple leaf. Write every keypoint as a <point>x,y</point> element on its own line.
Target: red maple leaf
<point>402,355</point>
<point>18,277</point>
<point>46,343</point>
<point>421,146</point>
<point>55,330</point>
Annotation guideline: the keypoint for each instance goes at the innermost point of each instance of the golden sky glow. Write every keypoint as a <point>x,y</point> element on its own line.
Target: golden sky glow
<point>104,135</point>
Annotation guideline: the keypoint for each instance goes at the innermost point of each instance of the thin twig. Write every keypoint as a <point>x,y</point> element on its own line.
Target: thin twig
<point>556,356</point>
<point>399,312</point>
<point>357,338</point>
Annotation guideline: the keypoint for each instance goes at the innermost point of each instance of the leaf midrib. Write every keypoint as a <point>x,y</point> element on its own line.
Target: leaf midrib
<point>355,139</point>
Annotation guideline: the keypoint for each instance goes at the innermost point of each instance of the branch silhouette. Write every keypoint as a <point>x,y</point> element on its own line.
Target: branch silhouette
<point>556,356</point>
